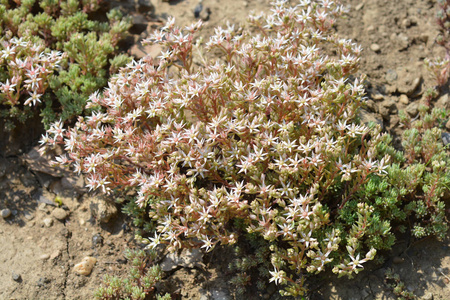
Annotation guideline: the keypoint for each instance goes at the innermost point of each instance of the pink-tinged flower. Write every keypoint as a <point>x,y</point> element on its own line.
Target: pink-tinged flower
<point>34,97</point>
<point>7,87</point>
<point>305,212</point>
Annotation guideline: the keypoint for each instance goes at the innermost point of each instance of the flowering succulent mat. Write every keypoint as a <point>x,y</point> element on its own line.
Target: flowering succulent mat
<point>41,244</point>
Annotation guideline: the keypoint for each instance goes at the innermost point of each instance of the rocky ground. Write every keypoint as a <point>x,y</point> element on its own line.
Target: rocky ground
<point>42,243</point>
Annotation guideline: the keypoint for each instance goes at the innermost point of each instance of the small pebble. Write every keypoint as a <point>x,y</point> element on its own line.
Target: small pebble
<point>28,215</point>
<point>48,222</point>
<point>85,267</point>
<point>375,47</point>
<point>371,28</point>
<point>359,6</point>
<point>43,281</point>
<point>55,255</point>
<point>97,240</point>
<point>447,125</point>
<point>445,138</point>
<point>412,109</point>
<point>403,99</point>
<point>42,207</point>
<point>6,212</point>
<point>406,23</point>
<point>16,277</point>
<point>59,214</point>
<point>377,97</point>
<point>198,9</point>
<point>391,76</point>
<point>44,257</point>
<point>428,296</point>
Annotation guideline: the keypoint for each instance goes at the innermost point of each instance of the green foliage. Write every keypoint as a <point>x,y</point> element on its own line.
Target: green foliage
<point>397,285</point>
<point>140,282</point>
<point>140,216</point>
<point>90,48</point>
<point>419,179</point>
<point>251,263</point>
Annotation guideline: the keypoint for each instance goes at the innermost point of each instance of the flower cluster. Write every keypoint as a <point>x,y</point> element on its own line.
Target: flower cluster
<point>29,68</point>
<point>267,134</point>
<point>34,36</point>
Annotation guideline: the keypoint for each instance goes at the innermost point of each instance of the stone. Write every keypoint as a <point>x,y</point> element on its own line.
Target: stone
<point>391,76</point>
<point>412,20</point>
<point>74,182</point>
<point>443,102</point>
<point>43,281</point>
<point>97,240</point>
<point>424,37</point>
<point>387,107</point>
<point>367,117</point>
<point>102,209</point>
<point>28,215</point>
<point>205,14</point>
<point>42,196</point>
<point>403,99</point>
<point>45,180</point>
<point>29,180</point>
<point>139,24</point>
<point>406,23</point>
<point>85,266</point>
<point>42,207</point>
<point>375,48</point>
<point>48,222</point>
<point>447,125</point>
<point>140,51</point>
<point>6,212</point>
<point>55,255</point>
<point>38,163</point>
<point>16,277</point>
<point>371,105</point>
<point>402,41</point>
<point>359,6</point>
<point>144,6</point>
<point>188,258</point>
<point>44,256</point>
<point>428,296</point>
<point>409,85</point>
<point>413,108</point>
<point>445,138</point>
<point>371,29</point>
<point>378,97</point>
<point>198,9</point>
<point>220,294</point>
<point>59,214</point>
